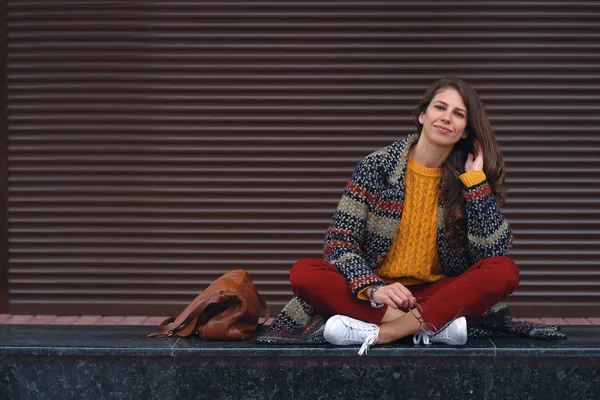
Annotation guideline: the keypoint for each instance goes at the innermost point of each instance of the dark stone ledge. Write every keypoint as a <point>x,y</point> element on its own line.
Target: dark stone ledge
<point>72,340</point>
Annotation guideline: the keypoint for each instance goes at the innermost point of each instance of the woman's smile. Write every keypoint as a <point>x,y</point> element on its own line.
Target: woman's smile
<point>443,130</point>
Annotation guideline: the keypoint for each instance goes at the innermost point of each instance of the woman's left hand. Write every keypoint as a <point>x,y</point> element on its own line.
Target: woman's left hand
<point>475,162</point>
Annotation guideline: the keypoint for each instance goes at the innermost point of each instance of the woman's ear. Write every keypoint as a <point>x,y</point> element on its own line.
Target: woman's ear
<point>421,118</point>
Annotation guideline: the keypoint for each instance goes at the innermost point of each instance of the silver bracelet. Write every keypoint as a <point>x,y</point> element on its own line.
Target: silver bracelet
<point>372,300</point>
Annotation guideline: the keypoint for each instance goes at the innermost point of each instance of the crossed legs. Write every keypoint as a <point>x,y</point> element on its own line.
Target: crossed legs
<point>470,294</point>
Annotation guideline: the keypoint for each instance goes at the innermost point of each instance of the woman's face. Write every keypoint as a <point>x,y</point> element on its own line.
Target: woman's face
<point>445,119</point>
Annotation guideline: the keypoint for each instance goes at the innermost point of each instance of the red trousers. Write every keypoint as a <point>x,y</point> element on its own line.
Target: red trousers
<point>470,294</point>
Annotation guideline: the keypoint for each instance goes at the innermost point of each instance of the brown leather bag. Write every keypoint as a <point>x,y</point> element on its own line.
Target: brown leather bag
<point>229,309</point>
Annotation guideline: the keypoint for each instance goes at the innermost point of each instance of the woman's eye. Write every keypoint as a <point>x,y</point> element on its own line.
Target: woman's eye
<point>439,107</point>
<point>460,115</point>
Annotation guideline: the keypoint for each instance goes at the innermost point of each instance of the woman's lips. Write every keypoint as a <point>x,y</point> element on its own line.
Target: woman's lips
<point>442,130</point>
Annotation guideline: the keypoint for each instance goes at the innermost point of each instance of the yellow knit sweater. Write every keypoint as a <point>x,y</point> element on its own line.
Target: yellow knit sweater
<point>413,257</point>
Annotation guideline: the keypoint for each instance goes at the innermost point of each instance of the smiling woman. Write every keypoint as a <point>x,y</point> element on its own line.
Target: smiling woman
<point>418,242</point>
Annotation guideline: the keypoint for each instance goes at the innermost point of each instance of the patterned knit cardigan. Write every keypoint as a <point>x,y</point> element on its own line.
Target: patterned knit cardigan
<point>363,229</point>
<point>367,218</point>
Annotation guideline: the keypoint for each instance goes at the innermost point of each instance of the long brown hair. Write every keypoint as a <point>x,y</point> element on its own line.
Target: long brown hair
<point>478,128</point>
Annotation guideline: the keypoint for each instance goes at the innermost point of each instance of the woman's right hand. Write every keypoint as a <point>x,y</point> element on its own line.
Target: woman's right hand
<point>394,295</point>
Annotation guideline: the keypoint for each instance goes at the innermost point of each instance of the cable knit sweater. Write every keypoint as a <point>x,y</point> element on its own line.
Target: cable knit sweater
<point>412,258</point>
<point>367,218</point>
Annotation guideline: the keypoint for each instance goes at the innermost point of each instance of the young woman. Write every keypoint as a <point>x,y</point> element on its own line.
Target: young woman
<point>417,242</point>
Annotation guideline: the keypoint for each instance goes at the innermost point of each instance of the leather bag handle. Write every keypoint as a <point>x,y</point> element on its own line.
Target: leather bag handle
<point>172,325</point>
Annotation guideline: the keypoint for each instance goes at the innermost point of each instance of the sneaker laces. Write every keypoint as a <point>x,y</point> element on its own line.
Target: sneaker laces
<point>359,331</point>
<point>427,333</point>
<point>369,341</point>
<point>421,337</point>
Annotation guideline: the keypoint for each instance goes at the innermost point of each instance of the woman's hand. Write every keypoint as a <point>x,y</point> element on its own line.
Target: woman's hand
<point>395,295</point>
<point>474,162</point>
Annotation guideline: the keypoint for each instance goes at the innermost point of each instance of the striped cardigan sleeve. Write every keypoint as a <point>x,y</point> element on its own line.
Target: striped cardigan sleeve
<point>489,233</point>
<point>345,238</point>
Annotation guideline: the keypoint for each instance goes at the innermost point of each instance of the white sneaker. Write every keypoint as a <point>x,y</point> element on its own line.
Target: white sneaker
<point>342,330</point>
<point>454,334</point>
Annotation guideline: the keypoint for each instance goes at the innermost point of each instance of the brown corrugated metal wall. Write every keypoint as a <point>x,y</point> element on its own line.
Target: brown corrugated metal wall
<point>153,146</point>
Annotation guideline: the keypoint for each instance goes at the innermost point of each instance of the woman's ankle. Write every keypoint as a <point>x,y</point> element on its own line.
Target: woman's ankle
<point>401,327</point>
<point>383,337</point>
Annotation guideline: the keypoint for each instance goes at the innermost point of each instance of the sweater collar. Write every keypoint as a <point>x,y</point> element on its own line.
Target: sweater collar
<point>399,158</point>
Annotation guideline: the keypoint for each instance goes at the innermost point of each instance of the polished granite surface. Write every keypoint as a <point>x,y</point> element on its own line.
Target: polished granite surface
<point>132,340</point>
